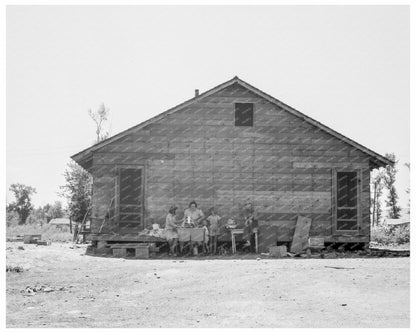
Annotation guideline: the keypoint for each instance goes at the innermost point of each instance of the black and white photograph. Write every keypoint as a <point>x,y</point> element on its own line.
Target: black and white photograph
<point>207,165</point>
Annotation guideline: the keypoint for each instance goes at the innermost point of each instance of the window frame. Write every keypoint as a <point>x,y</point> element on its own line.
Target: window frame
<point>252,115</point>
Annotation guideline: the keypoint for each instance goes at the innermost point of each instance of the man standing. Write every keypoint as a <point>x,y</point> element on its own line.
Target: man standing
<point>252,224</point>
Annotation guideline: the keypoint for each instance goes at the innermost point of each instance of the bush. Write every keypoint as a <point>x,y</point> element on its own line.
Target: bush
<point>48,232</point>
<point>401,234</point>
<point>386,235</point>
<point>14,269</point>
<point>12,219</point>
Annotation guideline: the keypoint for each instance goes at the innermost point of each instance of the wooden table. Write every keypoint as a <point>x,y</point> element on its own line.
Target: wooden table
<point>233,233</point>
<point>240,232</point>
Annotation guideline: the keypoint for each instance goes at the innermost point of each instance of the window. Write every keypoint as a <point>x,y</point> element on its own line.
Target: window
<point>347,201</point>
<point>243,114</point>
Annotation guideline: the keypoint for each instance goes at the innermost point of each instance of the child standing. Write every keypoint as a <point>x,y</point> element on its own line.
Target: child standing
<point>206,238</point>
<point>214,230</point>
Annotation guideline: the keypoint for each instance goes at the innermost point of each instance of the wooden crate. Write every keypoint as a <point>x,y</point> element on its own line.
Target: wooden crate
<point>278,251</point>
<point>120,253</point>
<point>142,252</point>
<point>316,242</point>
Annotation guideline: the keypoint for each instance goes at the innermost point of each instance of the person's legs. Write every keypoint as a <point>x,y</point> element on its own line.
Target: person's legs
<point>173,248</point>
<point>170,241</point>
<point>252,243</point>
<point>215,243</point>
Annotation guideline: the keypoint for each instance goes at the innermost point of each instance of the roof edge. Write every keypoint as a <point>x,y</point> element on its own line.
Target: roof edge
<point>80,155</point>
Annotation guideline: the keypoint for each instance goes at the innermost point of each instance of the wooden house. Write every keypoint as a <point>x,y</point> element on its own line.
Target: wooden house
<point>232,145</point>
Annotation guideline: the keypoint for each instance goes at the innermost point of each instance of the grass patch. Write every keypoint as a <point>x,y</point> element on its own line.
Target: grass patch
<point>49,232</point>
<point>390,235</point>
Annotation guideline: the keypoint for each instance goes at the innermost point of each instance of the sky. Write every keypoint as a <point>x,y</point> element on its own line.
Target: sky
<point>345,66</point>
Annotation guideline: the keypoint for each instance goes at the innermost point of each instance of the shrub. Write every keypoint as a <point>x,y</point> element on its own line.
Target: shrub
<point>401,234</point>
<point>48,232</point>
<point>14,269</point>
<point>384,234</point>
<point>12,218</point>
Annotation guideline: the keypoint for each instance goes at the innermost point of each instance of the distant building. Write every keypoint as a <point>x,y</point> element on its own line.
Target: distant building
<point>392,222</point>
<point>60,221</point>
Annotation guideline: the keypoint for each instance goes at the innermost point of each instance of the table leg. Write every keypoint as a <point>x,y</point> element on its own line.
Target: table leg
<point>233,243</point>
<point>257,243</point>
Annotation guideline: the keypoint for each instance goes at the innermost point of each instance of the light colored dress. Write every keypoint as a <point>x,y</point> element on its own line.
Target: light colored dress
<point>194,215</point>
<point>214,225</point>
<point>170,227</point>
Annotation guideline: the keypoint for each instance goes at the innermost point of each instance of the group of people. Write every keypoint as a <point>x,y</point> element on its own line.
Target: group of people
<point>195,218</point>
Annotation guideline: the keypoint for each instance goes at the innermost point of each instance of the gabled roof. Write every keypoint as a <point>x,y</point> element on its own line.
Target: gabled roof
<point>60,221</point>
<point>84,158</point>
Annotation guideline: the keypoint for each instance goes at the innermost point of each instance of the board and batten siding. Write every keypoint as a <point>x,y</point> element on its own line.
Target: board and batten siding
<point>283,165</point>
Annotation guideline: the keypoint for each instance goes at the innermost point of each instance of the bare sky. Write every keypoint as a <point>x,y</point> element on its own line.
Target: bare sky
<point>345,66</point>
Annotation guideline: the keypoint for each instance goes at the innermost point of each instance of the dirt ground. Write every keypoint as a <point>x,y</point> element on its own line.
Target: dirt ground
<point>83,291</point>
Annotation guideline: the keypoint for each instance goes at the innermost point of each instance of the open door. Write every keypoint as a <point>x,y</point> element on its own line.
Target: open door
<point>347,212</point>
<point>130,197</point>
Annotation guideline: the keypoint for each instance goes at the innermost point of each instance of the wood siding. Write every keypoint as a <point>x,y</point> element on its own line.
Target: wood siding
<point>283,165</point>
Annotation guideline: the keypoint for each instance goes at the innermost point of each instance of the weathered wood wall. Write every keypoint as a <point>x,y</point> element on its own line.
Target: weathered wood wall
<point>282,165</point>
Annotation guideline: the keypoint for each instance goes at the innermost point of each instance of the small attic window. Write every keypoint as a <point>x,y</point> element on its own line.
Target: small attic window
<point>244,114</point>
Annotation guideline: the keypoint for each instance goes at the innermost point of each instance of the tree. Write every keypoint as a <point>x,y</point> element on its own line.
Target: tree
<point>23,205</point>
<point>389,179</point>
<point>408,191</point>
<point>53,211</point>
<point>377,191</point>
<point>77,190</point>
<point>78,187</point>
<point>100,117</point>
<point>37,215</point>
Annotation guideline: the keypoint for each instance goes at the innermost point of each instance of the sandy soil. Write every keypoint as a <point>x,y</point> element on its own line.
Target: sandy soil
<point>85,291</point>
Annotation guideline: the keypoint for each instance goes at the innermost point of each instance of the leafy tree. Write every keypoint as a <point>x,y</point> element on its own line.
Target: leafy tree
<point>37,215</point>
<point>54,211</point>
<point>77,190</point>
<point>100,117</point>
<point>78,187</point>
<point>389,179</point>
<point>408,191</point>
<point>23,205</point>
<point>377,191</point>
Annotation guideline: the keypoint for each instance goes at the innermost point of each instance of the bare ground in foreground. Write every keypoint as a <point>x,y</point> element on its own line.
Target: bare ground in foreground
<point>85,291</point>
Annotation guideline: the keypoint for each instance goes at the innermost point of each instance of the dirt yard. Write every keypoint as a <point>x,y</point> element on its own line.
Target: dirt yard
<point>74,290</point>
